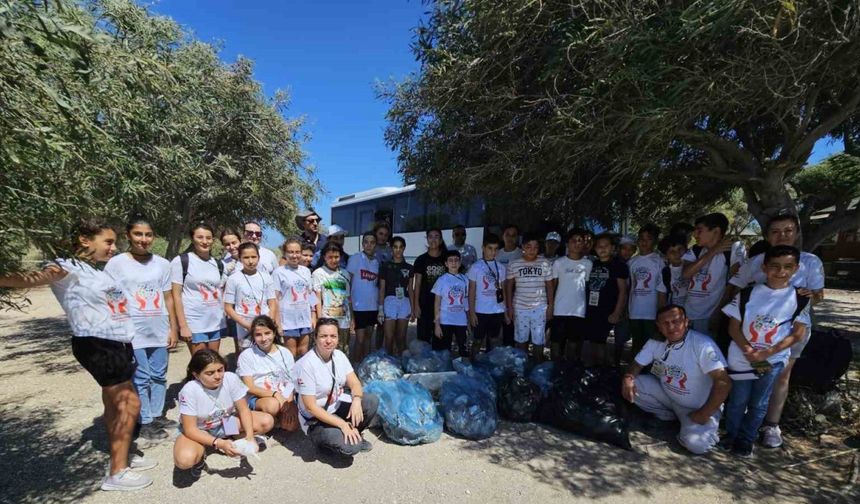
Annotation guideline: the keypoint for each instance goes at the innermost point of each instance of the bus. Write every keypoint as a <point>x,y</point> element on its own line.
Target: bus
<point>410,216</point>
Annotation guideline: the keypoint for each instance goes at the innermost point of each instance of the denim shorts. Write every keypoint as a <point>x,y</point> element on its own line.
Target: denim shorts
<point>205,337</point>
<point>252,401</point>
<point>297,333</point>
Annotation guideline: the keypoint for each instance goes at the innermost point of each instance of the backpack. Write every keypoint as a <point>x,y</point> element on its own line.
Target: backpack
<point>697,249</point>
<point>667,282</point>
<point>183,259</point>
<point>825,359</point>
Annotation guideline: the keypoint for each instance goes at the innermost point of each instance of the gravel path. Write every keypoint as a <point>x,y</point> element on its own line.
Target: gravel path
<point>52,449</point>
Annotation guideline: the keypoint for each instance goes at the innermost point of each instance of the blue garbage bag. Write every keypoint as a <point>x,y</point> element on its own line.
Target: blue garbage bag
<point>469,409</point>
<point>379,366</point>
<point>424,360</point>
<point>542,375</point>
<point>503,362</point>
<point>481,375</point>
<point>407,412</point>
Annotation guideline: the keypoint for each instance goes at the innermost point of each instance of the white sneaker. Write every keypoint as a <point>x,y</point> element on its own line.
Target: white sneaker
<point>125,481</point>
<point>771,436</point>
<point>139,463</point>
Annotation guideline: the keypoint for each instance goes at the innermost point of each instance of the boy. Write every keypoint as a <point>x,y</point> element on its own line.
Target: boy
<point>487,295</point>
<point>529,296</point>
<point>468,254</point>
<point>451,306</point>
<point>509,252</point>
<point>248,293</point>
<point>707,268</point>
<point>765,321</point>
<point>570,279</point>
<point>626,248</point>
<point>551,244</point>
<point>674,291</point>
<point>307,254</point>
<point>607,299</point>
<point>646,276</point>
<point>364,270</point>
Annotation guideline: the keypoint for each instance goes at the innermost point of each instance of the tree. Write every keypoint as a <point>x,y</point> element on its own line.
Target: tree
<point>833,183</point>
<point>585,97</point>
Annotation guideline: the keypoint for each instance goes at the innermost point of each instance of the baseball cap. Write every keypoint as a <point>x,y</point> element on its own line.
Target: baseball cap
<point>627,240</point>
<point>552,235</point>
<point>335,230</point>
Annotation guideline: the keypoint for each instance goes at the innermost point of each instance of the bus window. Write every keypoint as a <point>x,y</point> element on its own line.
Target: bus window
<point>345,218</point>
<point>408,213</point>
<point>475,214</point>
<point>384,211</point>
<point>365,215</point>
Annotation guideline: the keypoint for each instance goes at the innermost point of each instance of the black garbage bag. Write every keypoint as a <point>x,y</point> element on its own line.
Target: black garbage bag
<point>518,399</point>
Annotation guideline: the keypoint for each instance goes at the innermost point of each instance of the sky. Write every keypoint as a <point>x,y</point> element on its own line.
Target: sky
<point>328,54</point>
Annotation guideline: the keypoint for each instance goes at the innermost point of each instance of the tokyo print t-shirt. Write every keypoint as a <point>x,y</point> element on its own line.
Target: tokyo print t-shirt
<point>365,282</point>
<point>646,275</point>
<point>144,285</point>
<point>453,291</point>
<point>530,279</point>
<point>210,406</point>
<point>334,291</point>
<point>706,287</point>
<point>201,292</point>
<point>296,299</point>
<point>488,276</point>
<point>94,301</point>
<point>249,295</point>
<point>270,371</point>
<point>572,276</point>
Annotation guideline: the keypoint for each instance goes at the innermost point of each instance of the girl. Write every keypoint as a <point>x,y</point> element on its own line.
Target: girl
<point>428,267</point>
<point>249,293</point>
<point>266,369</point>
<point>145,281</point>
<point>212,408</point>
<point>296,300</point>
<point>331,286</point>
<point>395,291</point>
<point>230,240</point>
<point>364,271</point>
<point>382,232</point>
<point>196,278</point>
<point>102,329</point>
<point>451,306</point>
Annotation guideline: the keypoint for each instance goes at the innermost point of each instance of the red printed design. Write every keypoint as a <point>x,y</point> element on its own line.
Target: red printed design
<point>763,324</point>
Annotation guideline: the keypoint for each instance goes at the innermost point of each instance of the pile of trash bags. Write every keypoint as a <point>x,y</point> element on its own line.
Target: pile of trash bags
<point>469,408</point>
<point>379,366</point>
<point>502,362</point>
<point>407,412</point>
<point>518,399</point>
<point>420,358</point>
<point>481,375</point>
<point>542,375</point>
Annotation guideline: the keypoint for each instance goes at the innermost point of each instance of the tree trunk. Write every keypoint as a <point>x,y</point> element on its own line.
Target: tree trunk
<point>849,220</point>
<point>174,240</point>
<point>767,197</point>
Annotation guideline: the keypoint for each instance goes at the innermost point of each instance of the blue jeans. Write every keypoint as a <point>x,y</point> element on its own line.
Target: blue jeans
<point>150,380</point>
<point>747,404</point>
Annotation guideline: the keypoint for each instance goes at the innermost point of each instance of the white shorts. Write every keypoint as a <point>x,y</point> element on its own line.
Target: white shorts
<point>530,322</point>
<point>396,309</point>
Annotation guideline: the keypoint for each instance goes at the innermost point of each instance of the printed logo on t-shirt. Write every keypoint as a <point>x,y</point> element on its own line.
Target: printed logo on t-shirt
<point>642,281</point>
<point>598,278</point>
<point>368,275</point>
<point>148,298</point>
<point>434,271</point>
<point>702,278</point>
<point>763,327</point>
<point>299,291</point>
<point>209,292</point>
<point>530,271</point>
<point>248,303</point>
<point>456,294</point>
<point>117,303</point>
<point>676,379</point>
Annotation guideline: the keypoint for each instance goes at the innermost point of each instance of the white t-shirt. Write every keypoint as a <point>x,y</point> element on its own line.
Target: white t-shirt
<point>504,257</point>
<point>488,275</point>
<point>705,288</point>
<point>334,290</point>
<point>315,378</point>
<point>268,261</point>
<point>201,293</point>
<point>211,406</point>
<point>572,276</point>
<point>144,285</point>
<point>295,295</point>
<point>249,295</point>
<point>454,291</point>
<point>646,276</point>
<point>231,265</point>
<point>94,302</point>
<point>810,274</point>
<point>365,282</point>
<point>530,279</point>
<point>739,253</point>
<point>677,284</point>
<point>683,367</point>
<point>766,321</point>
<point>271,371</point>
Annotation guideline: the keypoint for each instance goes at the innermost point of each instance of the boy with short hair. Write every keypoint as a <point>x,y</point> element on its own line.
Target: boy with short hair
<point>570,280</point>
<point>674,291</point>
<point>765,321</point>
<point>606,301</point>
<point>487,295</point>
<point>510,251</point>
<point>531,304</point>
<point>364,271</point>
<point>626,248</point>
<point>646,277</point>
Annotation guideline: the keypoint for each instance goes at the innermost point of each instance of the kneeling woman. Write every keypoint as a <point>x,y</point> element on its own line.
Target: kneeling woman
<point>332,419</point>
<point>266,369</point>
<point>212,408</point>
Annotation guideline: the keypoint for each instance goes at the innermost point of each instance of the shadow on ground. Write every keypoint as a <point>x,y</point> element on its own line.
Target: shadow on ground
<point>43,341</point>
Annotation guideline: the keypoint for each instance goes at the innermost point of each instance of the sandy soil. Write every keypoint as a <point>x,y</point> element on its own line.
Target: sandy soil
<point>52,449</point>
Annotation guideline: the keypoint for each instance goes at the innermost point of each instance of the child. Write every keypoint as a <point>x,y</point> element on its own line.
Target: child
<point>230,240</point>
<point>364,269</point>
<point>646,275</point>
<point>531,304</point>
<point>607,298</point>
<point>296,300</point>
<point>451,306</point>
<point>308,255</point>
<point>626,248</point>
<point>765,321</point>
<point>395,291</point>
<point>570,278</point>
<point>674,287</point>
<point>486,295</point>
<point>510,251</point>
<point>551,244</point>
<point>248,293</point>
<point>332,291</point>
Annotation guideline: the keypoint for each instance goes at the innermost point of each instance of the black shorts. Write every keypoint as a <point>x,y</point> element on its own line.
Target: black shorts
<point>365,319</point>
<point>489,325</point>
<point>597,328</point>
<point>567,328</point>
<point>109,362</point>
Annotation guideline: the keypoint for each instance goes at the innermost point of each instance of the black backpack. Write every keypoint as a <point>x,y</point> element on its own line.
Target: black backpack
<point>801,302</point>
<point>667,282</point>
<point>183,259</point>
<point>824,361</point>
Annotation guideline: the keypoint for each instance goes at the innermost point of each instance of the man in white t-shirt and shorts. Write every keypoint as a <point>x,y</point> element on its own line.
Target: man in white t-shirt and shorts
<point>529,296</point>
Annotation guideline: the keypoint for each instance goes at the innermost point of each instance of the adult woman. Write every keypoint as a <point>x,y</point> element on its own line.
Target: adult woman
<point>145,281</point>
<point>332,419</point>
<point>428,267</point>
<point>212,408</point>
<point>395,290</point>
<point>102,330</point>
<point>197,281</point>
<point>230,240</point>
<point>266,369</point>
<point>382,232</point>
<point>296,300</point>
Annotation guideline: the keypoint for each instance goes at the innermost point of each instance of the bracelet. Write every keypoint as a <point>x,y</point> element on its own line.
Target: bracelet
<point>357,397</point>
<point>274,393</point>
<point>215,443</point>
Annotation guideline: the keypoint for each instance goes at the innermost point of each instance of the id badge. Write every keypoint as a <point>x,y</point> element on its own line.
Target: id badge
<point>593,298</point>
<point>400,292</point>
<point>658,369</point>
<point>231,426</point>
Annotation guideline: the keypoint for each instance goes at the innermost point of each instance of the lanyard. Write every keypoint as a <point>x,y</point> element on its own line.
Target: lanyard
<point>330,397</point>
<point>673,346</point>
<point>215,397</point>
<point>262,290</point>
<point>495,274</point>
<point>273,361</point>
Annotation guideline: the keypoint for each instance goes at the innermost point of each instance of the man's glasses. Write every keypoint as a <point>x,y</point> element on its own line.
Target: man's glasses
<point>253,233</point>
<point>459,234</point>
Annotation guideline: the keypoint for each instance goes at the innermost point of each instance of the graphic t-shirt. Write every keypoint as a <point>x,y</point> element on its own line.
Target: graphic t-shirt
<point>505,257</point>
<point>706,287</point>
<point>530,279</point>
<point>810,274</point>
<point>430,268</point>
<point>94,302</point>
<point>210,406</point>
<point>454,293</point>
<point>488,276</point>
<point>683,367</point>
<point>201,293</point>
<point>765,322</point>
<point>249,295</point>
<point>646,275</point>
<point>323,380</point>
<point>676,291</point>
<point>396,276</point>
<point>468,254</point>
<point>603,287</point>
<point>572,276</point>
<point>365,282</point>
<point>144,285</point>
<point>268,261</point>
<point>270,371</point>
<point>334,289</point>
<point>296,299</point>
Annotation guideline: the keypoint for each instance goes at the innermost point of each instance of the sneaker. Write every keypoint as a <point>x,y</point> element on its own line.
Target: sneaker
<point>126,480</point>
<point>165,423</point>
<point>366,446</point>
<point>726,444</point>
<point>150,432</point>
<point>771,436</point>
<point>139,463</point>
<point>743,449</point>
<point>197,470</point>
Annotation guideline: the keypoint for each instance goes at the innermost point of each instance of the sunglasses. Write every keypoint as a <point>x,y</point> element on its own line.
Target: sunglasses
<point>312,221</point>
<point>253,233</point>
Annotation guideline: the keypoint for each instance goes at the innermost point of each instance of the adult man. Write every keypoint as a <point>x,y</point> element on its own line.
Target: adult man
<point>268,259</point>
<point>309,222</point>
<point>468,254</point>
<point>688,380</point>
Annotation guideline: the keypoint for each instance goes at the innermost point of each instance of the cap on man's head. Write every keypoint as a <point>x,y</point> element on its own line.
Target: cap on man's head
<point>552,235</point>
<point>335,230</point>
<point>627,240</point>
<point>304,214</point>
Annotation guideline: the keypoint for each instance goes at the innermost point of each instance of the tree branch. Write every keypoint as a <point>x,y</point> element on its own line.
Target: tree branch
<point>801,151</point>
<point>849,220</point>
<point>728,150</point>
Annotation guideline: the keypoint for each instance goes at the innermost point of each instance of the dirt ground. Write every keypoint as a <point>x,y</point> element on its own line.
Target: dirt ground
<point>52,449</point>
